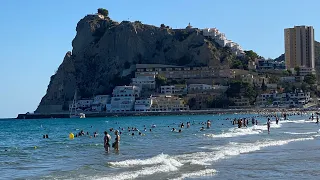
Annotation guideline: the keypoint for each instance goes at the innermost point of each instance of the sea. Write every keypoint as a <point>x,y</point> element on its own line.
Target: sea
<point>290,151</point>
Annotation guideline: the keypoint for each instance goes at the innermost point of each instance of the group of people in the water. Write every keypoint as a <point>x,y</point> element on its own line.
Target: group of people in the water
<point>82,133</point>
<point>133,131</point>
<point>107,140</point>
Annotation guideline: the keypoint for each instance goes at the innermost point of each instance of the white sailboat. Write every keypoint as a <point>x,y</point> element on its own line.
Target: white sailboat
<point>73,109</point>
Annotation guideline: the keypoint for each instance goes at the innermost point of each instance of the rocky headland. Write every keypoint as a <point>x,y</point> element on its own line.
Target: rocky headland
<point>104,54</point>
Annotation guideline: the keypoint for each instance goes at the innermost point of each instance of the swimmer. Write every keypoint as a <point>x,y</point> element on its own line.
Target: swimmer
<point>173,129</point>
<point>208,124</point>
<point>182,125</point>
<point>180,130</point>
<point>202,129</point>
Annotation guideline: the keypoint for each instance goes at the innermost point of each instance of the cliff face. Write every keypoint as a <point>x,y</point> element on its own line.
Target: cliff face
<point>103,49</point>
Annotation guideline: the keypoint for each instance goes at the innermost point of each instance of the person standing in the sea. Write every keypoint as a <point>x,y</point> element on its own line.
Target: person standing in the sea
<point>268,125</point>
<point>317,120</point>
<point>106,141</point>
<point>117,141</point>
<point>252,121</point>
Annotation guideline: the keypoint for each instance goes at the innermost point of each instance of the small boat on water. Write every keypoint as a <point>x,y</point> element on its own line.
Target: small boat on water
<point>73,109</point>
<point>80,115</point>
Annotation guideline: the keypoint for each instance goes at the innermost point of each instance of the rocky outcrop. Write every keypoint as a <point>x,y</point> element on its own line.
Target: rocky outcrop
<point>103,49</point>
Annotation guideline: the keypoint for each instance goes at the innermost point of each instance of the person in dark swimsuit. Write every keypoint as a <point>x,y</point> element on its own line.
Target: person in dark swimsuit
<point>106,141</point>
<point>268,125</point>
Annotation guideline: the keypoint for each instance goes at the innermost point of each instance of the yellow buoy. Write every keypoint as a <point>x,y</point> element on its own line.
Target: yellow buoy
<point>71,136</point>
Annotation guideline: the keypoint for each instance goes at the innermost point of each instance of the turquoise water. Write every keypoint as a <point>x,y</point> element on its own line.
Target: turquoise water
<point>291,150</point>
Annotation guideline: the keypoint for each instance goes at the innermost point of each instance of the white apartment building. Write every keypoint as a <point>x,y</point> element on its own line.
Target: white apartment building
<point>100,102</point>
<point>221,39</point>
<point>144,82</point>
<point>167,103</point>
<point>293,99</point>
<point>173,89</point>
<point>305,70</point>
<point>124,91</point>
<point>143,104</point>
<point>122,104</point>
<point>167,89</point>
<point>84,103</point>
<point>123,98</point>
<point>199,87</point>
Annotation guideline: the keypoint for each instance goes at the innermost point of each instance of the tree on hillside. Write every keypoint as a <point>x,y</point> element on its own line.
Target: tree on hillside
<point>192,102</point>
<point>234,89</point>
<point>103,11</point>
<point>285,73</point>
<point>162,26</point>
<point>251,55</point>
<point>310,79</point>
<point>274,79</point>
<point>161,80</point>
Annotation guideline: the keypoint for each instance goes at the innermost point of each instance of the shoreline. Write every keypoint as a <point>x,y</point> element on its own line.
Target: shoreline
<point>190,112</point>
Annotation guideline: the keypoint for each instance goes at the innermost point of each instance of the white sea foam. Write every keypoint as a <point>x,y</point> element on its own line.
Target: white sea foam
<point>234,132</point>
<point>232,149</point>
<point>159,159</point>
<point>159,164</point>
<point>205,172</point>
<point>302,133</point>
<point>164,163</point>
<point>297,121</point>
<point>143,172</point>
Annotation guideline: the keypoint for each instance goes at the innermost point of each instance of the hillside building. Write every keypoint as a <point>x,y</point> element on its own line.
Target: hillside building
<point>299,47</point>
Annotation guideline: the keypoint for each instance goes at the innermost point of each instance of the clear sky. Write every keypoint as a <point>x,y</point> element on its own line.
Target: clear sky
<point>36,34</point>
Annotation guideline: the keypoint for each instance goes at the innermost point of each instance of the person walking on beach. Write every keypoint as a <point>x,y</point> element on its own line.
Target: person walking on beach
<point>117,140</point>
<point>268,125</point>
<point>106,141</point>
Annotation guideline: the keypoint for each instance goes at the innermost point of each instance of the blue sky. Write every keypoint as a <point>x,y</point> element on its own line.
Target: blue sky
<point>36,34</point>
